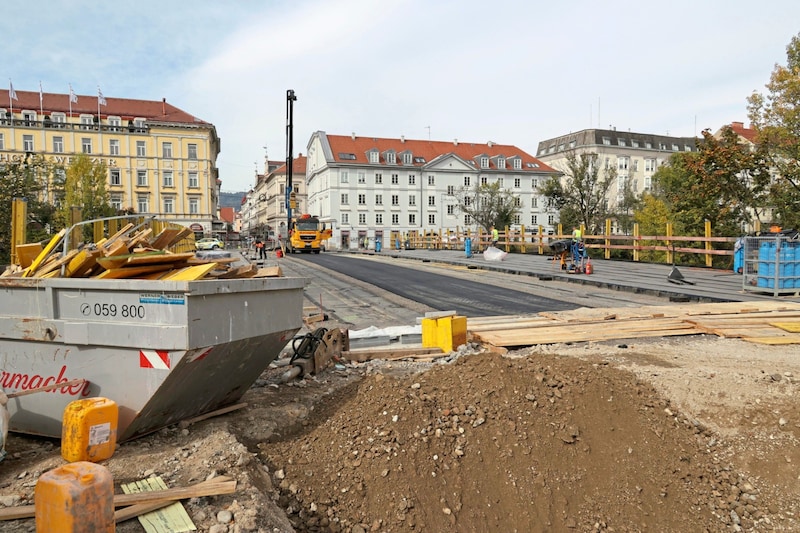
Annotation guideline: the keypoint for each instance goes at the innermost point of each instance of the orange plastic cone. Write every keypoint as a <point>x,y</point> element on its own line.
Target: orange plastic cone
<point>589,268</point>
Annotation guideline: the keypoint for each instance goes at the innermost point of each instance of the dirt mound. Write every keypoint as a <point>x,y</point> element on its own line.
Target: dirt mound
<point>490,443</point>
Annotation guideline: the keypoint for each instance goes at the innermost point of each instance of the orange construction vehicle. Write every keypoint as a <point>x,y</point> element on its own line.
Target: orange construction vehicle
<point>307,234</point>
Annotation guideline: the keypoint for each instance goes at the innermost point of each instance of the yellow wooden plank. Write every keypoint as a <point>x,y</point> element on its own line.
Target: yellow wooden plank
<point>773,340</point>
<point>191,273</point>
<point>792,327</point>
<point>172,518</point>
<point>26,253</point>
<point>44,253</point>
<point>131,272</point>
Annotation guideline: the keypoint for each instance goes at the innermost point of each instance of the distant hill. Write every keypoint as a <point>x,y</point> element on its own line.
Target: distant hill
<point>231,199</point>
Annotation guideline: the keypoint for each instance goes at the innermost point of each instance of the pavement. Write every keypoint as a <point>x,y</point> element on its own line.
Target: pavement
<point>700,284</point>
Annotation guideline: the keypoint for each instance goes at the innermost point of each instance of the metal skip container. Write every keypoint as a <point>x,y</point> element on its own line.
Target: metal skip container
<point>163,351</point>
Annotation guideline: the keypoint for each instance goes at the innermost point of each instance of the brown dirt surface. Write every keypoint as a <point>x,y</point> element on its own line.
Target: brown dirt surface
<point>679,434</point>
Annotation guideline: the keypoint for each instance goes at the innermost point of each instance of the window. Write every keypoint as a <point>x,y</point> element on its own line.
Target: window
<point>607,141</point>
<point>687,148</point>
<point>407,158</point>
<point>166,150</point>
<point>412,219</point>
<point>345,199</point>
<point>648,183</point>
<point>378,179</point>
<point>378,219</point>
<point>419,159</point>
<point>114,124</point>
<point>621,142</point>
<point>194,206</point>
<point>141,149</point>
<point>395,219</point>
<point>517,164</point>
<point>484,162</point>
<point>116,202</point>
<point>451,190</point>
<point>378,199</point>
<point>347,157</point>
<point>343,177</point>
<point>451,210</point>
<point>167,179</point>
<point>649,165</point>
<point>467,220</point>
<point>362,199</point>
<point>517,203</point>
<point>362,178</point>
<point>431,200</point>
<point>391,158</point>
<point>395,179</point>
<point>467,201</point>
<point>59,119</point>
<point>675,147</point>
<point>345,218</point>
<point>192,151</point>
<point>193,180</point>
<point>571,145</point>
<point>169,204</point>
<point>517,183</point>
<point>501,162</point>
<point>484,180</point>
<point>141,178</point>
<point>634,143</point>
<point>412,199</point>
<point>282,188</point>
<point>87,122</point>
<point>142,205</point>
<point>27,143</point>
<point>395,199</point>
<point>648,145</point>
<point>636,165</point>
<point>535,220</point>
<point>551,219</point>
<point>534,201</point>
<point>412,179</point>
<point>362,219</point>
<point>432,219</point>
<point>2,141</point>
<point>113,147</point>
<point>466,181</point>
<point>86,145</point>
<point>58,145</point>
<point>431,181</point>
<point>373,156</point>
<point>622,163</point>
<point>115,177</point>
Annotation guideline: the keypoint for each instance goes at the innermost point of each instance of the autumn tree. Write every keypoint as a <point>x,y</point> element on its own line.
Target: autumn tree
<point>83,184</point>
<point>776,119</point>
<point>580,195</point>
<point>489,205</point>
<point>26,178</point>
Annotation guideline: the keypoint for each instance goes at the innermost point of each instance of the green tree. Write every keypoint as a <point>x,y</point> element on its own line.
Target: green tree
<point>489,205</point>
<point>653,217</point>
<point>84,185</point>
<point>776,119</point>
<point>627,207</point>
<point>723,182</point>
<point>27,179</point>
<point>580,195</point>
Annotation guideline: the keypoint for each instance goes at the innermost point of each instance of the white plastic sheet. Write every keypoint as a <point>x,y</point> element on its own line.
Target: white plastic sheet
<point>494,254</point>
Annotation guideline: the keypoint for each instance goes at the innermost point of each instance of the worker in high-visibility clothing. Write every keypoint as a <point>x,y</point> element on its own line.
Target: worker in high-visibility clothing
<point>577,234</point>
<point>495,236</point>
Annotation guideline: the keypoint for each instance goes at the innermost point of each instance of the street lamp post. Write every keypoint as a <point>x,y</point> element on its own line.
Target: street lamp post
<point>290,99</point>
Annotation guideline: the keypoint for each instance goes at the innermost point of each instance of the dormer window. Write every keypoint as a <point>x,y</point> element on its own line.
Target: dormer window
<point>484,162</point>
<point>373,156</point>
<point>390,156</point>
<point>407,157</point>
<point>501,162</point>
<point>516,163</point>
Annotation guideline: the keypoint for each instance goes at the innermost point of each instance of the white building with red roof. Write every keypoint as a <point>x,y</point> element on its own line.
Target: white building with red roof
<point>380,188</point>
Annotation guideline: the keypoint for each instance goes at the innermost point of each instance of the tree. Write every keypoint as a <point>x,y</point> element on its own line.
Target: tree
<point>723,182</point>
<point>627,207</point>
<point>652,218</point>
<point>84,185</point>
<point>776,119</point>
<point>580,196</point>
<point>489,205</point>
<point>26,178</point>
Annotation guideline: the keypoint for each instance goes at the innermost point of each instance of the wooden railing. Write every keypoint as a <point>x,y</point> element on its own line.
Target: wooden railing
<point>664,248</point>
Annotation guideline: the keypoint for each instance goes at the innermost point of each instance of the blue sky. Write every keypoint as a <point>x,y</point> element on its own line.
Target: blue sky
<point>513,72</point>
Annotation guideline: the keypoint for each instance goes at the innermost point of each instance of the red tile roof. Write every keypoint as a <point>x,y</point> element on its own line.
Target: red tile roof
<point>298,166</point>
<point>747,133</point>
<point>430,150</point>
<point>125,108</point>
<point>228,214</point>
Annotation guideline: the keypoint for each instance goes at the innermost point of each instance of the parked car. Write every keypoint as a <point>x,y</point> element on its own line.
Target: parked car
<point>209,243</point>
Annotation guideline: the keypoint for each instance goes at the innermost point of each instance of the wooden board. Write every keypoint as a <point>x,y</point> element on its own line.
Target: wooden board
<point>793,327</point>
<point>26,253</point>
<point>191,273</point>
<point>132,272</point>
<point>170,519</point>
<point>390,353</point>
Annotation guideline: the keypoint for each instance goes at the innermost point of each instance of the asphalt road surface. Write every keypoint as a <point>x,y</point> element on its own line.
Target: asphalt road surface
<point>469,297</point>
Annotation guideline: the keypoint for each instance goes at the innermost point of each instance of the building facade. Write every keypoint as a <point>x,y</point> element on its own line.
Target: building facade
<point>634,156</point>
<point>160,159</point>
<point>264,208</point>
<point>377,188</point>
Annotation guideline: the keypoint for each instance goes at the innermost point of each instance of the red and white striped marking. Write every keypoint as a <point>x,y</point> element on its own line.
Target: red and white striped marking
<point>154,359</point>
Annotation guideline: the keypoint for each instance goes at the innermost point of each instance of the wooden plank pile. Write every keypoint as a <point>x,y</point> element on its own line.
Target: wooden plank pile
<point>130,253</point>
<point>765,322</point>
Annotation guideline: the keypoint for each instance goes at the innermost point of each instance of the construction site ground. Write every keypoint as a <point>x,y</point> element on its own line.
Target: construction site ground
<point>668,433</point>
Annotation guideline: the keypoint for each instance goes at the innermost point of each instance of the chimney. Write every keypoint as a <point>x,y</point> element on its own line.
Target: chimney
<point>353,136</point>
<point>163,106</point>
<point>490,143</point>
<point>737,125</point>
<point>402,139</point>
<point>455,142</point>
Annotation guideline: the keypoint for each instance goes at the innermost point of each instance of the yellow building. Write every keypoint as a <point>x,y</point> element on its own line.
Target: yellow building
<point>161,160</point>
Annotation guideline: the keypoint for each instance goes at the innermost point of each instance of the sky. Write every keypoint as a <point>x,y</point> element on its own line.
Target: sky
<point>511,72</point>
